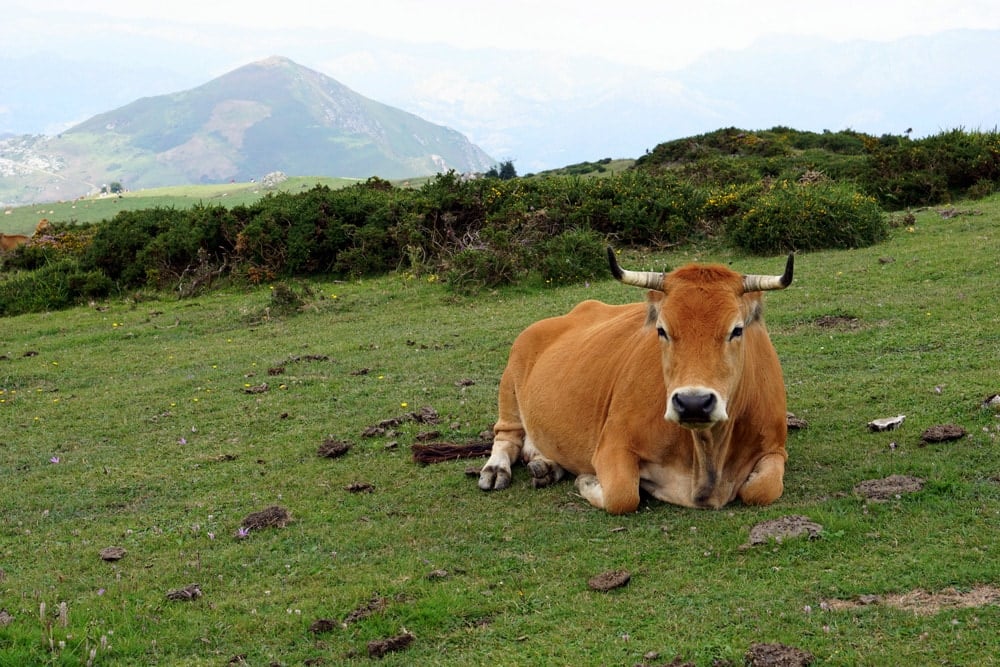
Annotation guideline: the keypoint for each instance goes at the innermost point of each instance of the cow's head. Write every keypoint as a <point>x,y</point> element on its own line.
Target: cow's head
<point>703,315</point>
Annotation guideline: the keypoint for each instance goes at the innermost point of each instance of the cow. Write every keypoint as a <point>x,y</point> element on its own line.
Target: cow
<point>10,241</point>
<point>681,397</point>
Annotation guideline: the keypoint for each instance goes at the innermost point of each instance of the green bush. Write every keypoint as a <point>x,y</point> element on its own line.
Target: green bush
<point>54,286</point>
<point>121,247</point>
<point>573,256</point>
<point>902,172</point>
<point>796,216</point>
<point>496,260</point>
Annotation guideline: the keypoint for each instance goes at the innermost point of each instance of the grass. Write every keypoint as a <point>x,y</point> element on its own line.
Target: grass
<point>163,446</point>
<point>24,219</point>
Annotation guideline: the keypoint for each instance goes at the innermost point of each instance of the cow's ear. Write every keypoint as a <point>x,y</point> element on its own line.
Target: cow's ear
<point>754,309</point>
<point>654,299</point>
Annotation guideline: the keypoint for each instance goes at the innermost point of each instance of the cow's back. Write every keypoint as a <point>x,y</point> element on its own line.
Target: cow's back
<point>565,372</point>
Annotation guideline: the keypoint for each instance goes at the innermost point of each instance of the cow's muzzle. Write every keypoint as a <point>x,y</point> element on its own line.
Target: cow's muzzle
<point>696,407</point>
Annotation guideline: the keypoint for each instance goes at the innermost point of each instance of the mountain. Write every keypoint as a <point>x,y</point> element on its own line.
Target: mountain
<point>547,110</point>
<point>271,115</point>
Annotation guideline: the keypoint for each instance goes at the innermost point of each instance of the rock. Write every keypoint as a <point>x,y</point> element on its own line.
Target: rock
<point>886,423</point>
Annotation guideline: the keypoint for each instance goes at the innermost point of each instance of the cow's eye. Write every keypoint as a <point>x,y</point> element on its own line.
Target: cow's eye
<point>737,332</point>
<point>662,333</point>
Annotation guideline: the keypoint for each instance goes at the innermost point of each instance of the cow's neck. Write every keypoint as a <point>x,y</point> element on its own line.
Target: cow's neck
<point>711,487</point>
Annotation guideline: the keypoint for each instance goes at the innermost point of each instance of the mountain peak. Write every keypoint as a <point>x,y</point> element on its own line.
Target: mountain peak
<point>269,115</point>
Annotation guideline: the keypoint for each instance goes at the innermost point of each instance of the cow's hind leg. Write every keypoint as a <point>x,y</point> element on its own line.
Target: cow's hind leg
<point>615,487</point>
<point>543,471</point>
<point>765,483</point>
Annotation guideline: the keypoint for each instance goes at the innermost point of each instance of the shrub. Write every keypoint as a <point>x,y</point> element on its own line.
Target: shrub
<point>119,248</point>
<point>54,286</point>
<point>796,216</point>
<point>572,256</point>
<point>495,260</point>
<point>933,170</point>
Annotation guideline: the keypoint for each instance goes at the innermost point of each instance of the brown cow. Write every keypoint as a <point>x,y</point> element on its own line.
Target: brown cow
<point>10,241</point>
<point>681,397</point>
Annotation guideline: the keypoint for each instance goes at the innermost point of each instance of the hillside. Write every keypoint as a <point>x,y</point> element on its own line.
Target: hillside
<point>272,115</point>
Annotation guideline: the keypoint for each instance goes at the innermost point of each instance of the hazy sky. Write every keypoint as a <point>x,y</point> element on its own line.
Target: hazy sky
<point>654,33</point>
<point>507,73</point>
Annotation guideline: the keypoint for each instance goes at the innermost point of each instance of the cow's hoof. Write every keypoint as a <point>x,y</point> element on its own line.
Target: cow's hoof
<point>544,472</point>
<point>493,479</point>
<point>586,483</point>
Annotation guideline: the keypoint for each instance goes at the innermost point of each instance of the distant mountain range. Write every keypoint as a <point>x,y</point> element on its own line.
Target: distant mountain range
<point>271,115</point>
<point>540,110</point>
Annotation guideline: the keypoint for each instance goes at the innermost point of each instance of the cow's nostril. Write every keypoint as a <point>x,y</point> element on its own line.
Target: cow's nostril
<point>694,407</point>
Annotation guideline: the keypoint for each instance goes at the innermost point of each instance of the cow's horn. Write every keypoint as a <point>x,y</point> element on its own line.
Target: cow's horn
<point>753,283</point>
<point>647,279</point>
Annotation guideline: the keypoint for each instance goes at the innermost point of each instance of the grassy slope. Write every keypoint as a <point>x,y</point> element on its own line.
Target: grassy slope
<point>160,449</point>
<point>23,219</point>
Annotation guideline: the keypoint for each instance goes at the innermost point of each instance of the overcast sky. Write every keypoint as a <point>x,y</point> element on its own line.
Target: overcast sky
<point>507,73</point>
<point>654,33</point>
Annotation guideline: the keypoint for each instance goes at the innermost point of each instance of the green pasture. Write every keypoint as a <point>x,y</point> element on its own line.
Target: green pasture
<point>157,425</point>
<point>24,219</point>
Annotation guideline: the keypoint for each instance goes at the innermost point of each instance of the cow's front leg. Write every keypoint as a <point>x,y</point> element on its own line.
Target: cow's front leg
<point>765,483</point>
<point>615,487</point>
<point>495,475</point>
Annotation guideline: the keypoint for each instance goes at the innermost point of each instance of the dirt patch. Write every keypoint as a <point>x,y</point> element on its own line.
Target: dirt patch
<point>360,487</point>
<point>425,415</point>
<point>893,486</point>
<point>783,528</point>
<point>375,605</point>
<point>610,580</point>
<point>333,448</point>
<point>838,322</point>
<point>322,625</point>
<point>923,602</point>
<point>795,423</point>
<point>380,648</point>
<point>943,433</point>
<point>274,516</point>
<point>112,553</point>
<point>778,655</point>
<point>189,592</point>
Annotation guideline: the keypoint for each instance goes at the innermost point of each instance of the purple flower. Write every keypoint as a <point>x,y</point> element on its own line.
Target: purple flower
<point>242,532</point>
<point>182,441</point>
<point>54,459</point>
